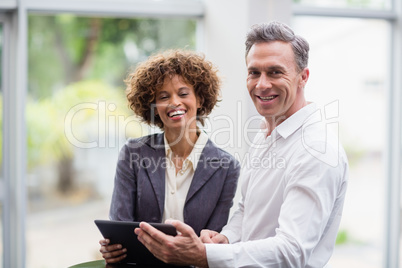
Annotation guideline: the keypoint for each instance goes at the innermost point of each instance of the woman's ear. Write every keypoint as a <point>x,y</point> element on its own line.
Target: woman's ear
<point>199,104</point>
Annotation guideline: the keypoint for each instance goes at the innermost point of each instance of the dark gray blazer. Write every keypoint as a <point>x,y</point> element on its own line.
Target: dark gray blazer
<point>139,186</point>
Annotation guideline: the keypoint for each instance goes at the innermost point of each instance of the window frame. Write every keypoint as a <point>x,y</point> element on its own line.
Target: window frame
<point>15,61</point>
<point>13,144</point>
<point>163,8</point>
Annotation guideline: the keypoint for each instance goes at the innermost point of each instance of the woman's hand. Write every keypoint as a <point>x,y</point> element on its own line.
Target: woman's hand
<point>212,237</point>
<point>112,253</point>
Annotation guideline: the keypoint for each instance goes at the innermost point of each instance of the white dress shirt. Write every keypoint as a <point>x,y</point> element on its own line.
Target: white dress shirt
<point>293,190</point>
<point>177,185</point>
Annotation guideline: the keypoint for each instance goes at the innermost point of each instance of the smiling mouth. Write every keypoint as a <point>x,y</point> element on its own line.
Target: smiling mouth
<point>268,98</point>
<point>176,113</point>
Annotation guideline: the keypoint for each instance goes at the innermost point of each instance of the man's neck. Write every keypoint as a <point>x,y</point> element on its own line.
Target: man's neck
<point>273,121</point>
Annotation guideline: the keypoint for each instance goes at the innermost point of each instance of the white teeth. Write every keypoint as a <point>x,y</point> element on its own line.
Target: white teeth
<point>177,112</point>
<point>267,98</point>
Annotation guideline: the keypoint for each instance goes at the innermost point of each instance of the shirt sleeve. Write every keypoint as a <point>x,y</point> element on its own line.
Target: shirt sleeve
<point>255,253</point>
<point>220,255</point>
<point>232,230</point>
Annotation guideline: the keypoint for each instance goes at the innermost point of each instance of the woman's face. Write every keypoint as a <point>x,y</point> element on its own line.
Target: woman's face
<point>176,105</point>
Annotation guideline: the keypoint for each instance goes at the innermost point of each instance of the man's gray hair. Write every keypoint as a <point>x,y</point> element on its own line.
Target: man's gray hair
<point>277,31</point>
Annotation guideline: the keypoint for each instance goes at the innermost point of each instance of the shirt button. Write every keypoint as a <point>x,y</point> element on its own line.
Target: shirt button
<point>172,192</point>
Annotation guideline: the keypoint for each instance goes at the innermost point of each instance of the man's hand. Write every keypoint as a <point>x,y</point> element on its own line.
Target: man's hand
<point>185,248</point>
<point>212,237</point>
<point>112,253</point>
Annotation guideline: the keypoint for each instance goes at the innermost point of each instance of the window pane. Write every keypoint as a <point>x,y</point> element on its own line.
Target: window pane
<point>1,146</point>
<point>78,120</point>
<point>361,4</point>
<point>350,68</point>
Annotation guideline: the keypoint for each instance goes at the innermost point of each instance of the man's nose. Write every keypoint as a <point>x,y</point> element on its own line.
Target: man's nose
<point>264,82</point>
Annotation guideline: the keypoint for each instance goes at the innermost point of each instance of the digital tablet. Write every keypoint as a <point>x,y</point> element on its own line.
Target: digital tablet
<point>122,232</point>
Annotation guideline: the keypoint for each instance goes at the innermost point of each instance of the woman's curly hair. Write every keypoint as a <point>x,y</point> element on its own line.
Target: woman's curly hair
<point>150,76</point>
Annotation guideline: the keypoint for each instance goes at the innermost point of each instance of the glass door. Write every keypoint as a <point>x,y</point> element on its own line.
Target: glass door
<point>341,76</point>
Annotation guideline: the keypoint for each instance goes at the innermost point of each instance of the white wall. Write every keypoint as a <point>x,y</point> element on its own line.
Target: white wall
<point>224,30</point>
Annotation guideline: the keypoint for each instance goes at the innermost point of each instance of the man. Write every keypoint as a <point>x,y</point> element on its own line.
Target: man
<point>290,212</point>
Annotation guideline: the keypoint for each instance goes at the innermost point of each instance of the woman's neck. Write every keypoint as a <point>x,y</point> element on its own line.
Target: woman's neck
<point>182,143</point>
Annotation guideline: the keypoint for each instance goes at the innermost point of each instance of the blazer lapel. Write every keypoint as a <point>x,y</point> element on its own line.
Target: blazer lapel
<point>208,164</point>
<point>153,161</point>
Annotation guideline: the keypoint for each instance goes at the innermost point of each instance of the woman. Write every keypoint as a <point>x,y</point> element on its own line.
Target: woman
<point>179,173</point>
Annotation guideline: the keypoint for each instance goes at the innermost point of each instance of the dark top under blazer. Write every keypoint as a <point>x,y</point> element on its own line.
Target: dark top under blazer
<point>139,187</point>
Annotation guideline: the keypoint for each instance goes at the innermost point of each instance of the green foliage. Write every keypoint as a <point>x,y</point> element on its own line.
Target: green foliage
<point>65,49</point>
<point>74,48</point>
<point>48,119</point>
<point>342,237</point>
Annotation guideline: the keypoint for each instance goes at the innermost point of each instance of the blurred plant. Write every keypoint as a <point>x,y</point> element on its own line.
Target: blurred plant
<point>354,152</point>
<point>48,124</point>
<point>74,47</point>
<point>342,237</point>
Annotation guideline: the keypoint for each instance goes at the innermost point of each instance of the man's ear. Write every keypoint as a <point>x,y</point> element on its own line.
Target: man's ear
<point>304,75</point>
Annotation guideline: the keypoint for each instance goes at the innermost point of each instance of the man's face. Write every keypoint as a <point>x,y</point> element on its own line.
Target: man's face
<point>274,82</point>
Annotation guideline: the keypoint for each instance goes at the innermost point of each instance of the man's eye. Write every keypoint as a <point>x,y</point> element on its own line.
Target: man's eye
<point>253,73</point>
<point>276,73</point>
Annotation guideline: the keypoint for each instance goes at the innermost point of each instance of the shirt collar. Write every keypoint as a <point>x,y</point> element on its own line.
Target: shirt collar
<point>195,153</point>
<point>294,122</point>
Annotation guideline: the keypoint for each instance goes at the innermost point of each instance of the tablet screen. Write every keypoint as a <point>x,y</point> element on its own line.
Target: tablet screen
<point>122,232</point>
